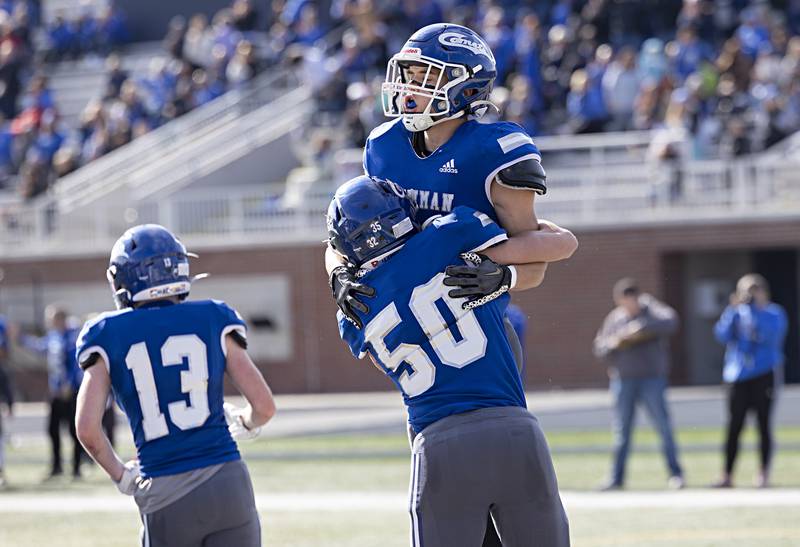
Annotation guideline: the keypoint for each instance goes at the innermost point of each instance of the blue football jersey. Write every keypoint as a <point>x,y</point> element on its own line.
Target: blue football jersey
<point>458,173</point>
<point>3,334</point>
<point>444,359</point>
<point>167,363</point>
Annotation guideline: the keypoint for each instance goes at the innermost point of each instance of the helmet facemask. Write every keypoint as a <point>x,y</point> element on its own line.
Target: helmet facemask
<point>397,87</point>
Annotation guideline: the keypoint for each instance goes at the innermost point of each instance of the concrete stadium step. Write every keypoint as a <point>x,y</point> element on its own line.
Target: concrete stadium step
<point>70,8</point>
<point>75,83</point>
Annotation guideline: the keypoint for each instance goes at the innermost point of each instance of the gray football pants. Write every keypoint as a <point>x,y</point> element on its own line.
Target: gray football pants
<point>221,512</point>
<point>489,461</point>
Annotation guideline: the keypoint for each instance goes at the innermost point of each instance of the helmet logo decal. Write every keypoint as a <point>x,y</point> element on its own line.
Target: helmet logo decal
<point>411,51</point>
<point>457,40</point>
<point>397,189</point>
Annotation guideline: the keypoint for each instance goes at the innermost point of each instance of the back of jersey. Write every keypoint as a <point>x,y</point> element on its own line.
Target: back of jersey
<point>167,366</point>
<point>445,360</point>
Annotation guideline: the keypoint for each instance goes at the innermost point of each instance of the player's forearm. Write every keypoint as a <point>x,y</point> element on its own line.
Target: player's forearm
<point>99,448</point>
<point>261,404</point>
<point>529,275</point>
<point>534,246</point>
<point>253,418</point>
<point>250,383</point>
<point>332,260</point>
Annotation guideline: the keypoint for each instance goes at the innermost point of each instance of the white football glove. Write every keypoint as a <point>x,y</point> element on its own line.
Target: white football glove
<point>235,418</point>
<point>130,478</point>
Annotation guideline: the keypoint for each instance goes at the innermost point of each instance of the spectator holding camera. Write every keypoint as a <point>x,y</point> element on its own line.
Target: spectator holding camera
<point>634,342</point>
<point>753,329</point>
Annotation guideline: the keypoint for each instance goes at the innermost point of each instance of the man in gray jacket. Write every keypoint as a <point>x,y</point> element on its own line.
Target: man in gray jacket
<point>633,341</point>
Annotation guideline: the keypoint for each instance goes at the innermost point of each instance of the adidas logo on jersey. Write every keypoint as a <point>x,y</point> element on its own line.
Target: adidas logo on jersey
<point>449,167</point>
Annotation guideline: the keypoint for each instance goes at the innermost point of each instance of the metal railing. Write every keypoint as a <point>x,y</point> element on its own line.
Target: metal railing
<point>581,197</point>
<point>204,153</point>
<point>755,187</point>
<point>106,174</point>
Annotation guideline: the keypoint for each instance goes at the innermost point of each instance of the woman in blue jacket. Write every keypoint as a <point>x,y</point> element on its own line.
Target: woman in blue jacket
<point>753,329</point>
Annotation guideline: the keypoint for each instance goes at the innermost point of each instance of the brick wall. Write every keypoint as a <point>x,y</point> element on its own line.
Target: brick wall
<point>565,311</point>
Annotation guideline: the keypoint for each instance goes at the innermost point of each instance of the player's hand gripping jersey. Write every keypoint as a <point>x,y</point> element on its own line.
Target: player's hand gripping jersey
<point>458,173</point>
<point>437,353</point>
<point>167,363</point>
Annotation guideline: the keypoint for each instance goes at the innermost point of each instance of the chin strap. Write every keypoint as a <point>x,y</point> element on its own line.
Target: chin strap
<point>410,119</point>
<point>479,108</point>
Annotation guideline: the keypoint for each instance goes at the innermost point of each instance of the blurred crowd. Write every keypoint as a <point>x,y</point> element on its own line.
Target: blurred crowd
<point>715,78</point>
<point>202,60</point>
<point>31,137</point>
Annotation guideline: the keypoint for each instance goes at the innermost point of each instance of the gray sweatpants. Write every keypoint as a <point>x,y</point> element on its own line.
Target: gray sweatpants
<point>221,512</point>
<point>489,461</point>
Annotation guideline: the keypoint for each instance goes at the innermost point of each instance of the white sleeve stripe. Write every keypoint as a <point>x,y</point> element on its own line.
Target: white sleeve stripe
<point>95,349</point>
<point>513,141</point>
<point>493,174</point>
<point>226,331</point>
<point>495,240</point>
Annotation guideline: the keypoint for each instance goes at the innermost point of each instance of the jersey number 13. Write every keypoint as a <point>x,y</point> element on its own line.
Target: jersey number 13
<point>194,381</point>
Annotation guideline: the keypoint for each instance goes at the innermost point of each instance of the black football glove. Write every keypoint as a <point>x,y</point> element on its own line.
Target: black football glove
<point>481,280</point>
<point>345,287</point>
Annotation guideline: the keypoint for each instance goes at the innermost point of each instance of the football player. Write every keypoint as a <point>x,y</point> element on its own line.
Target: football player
<point>164,359</point>
<point>477,450</point>
<point>437,86</point>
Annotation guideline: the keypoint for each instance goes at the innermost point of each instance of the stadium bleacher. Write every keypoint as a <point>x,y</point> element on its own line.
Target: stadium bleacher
<point>684,90</point>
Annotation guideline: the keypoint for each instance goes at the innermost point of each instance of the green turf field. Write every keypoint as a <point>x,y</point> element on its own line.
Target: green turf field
<point>310,467</point>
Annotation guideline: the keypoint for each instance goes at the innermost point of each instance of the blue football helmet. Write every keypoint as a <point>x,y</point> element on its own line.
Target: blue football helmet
<point>464,62</point>
<point>147,263</point>
<point>368,219</point>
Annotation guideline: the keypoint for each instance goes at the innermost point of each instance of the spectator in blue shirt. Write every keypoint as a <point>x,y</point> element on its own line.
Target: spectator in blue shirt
<point>753,32</point>
<point>6,152</point>
<point>6,395</point>
<point>48,139</point>
<point>112,28</point>
<point>308,28</point>
<point>528,45</point>
<point>87,33</point>
<point>691,52</point>
<point>63,39</point>
<point>585,104</point>
<point>753,329</point>
<point>64,378</point>
<point>500,39</point>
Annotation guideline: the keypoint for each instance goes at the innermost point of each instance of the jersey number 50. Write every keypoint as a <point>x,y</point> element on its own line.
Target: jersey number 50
<point>450,352</point>
<point>194,381</point>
